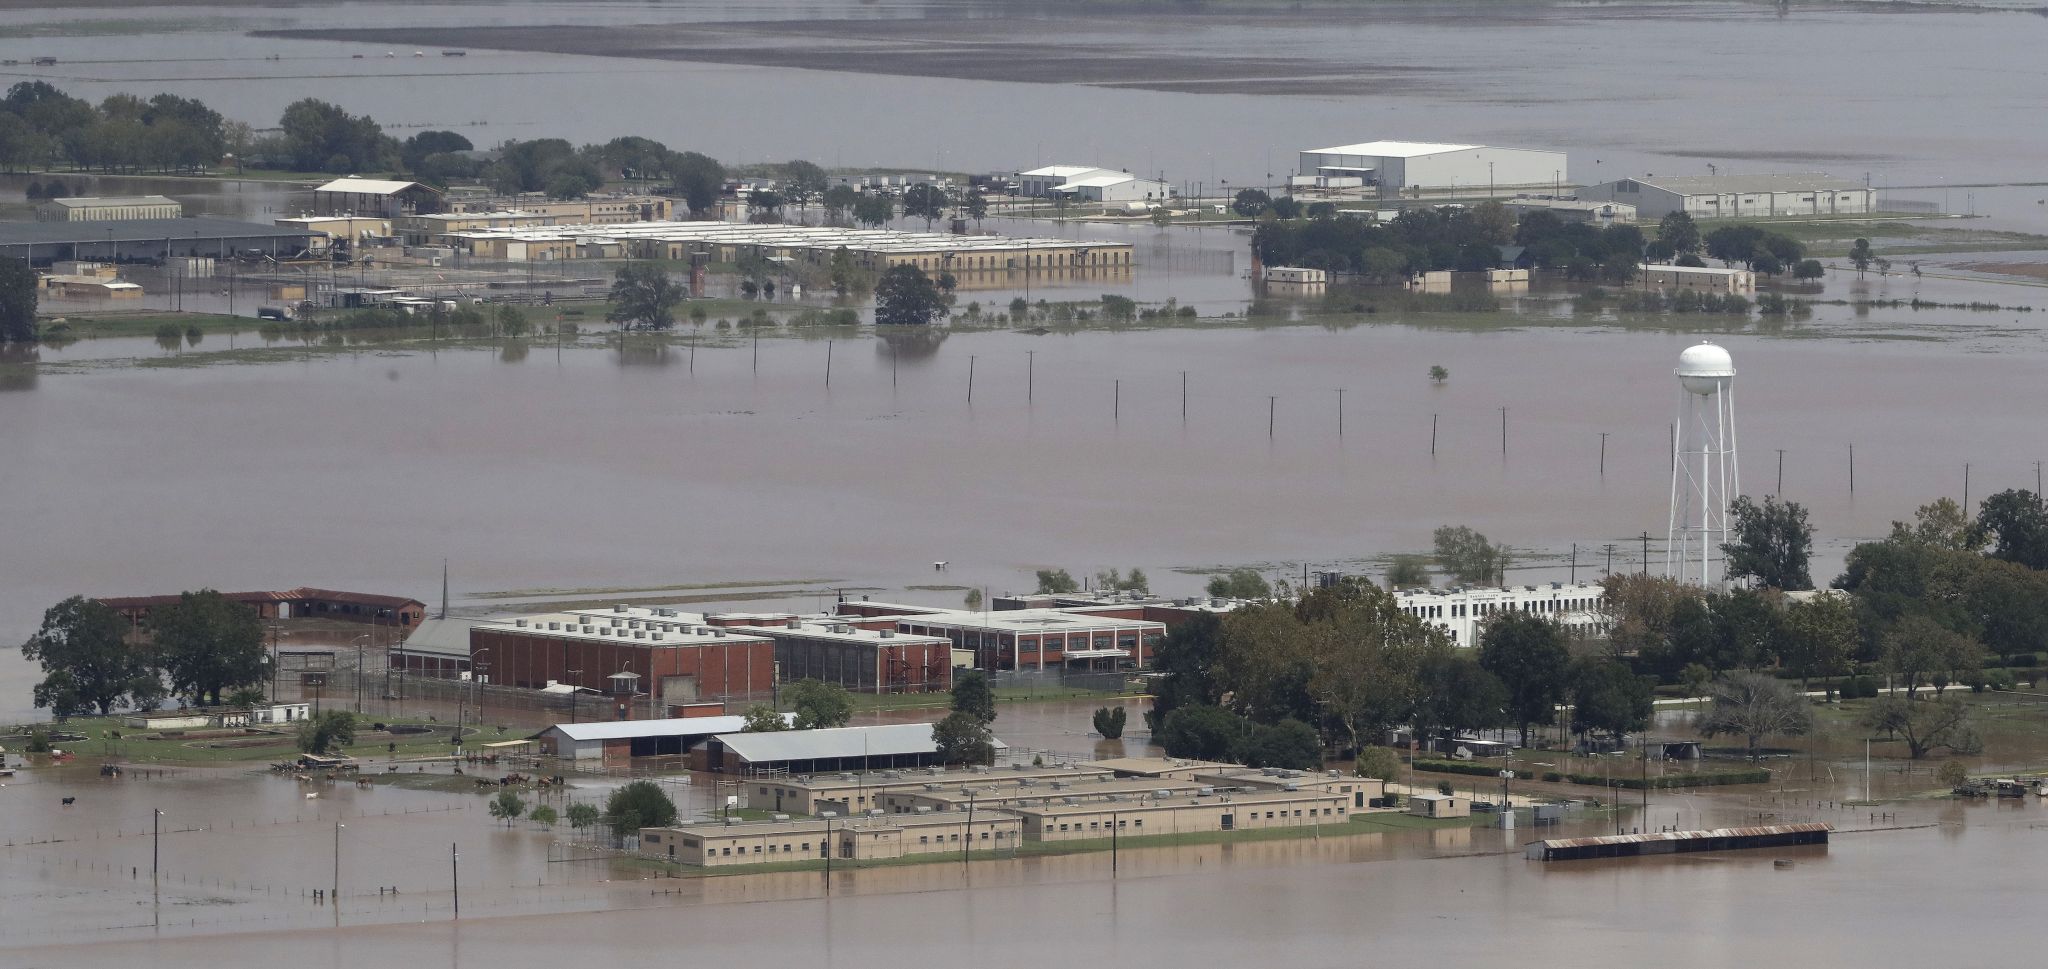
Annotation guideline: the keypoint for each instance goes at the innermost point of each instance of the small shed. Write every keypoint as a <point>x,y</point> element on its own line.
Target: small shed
<point>1439,806</point>
<point>271,713</point>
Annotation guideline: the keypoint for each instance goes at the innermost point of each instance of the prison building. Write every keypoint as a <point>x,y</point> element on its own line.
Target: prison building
<point>1460,611</point>
<point>863,660</point>
<point>110,207</point>
<point>857,792</point>
<point>1167,812</point>
<point>621,740</point>
<point>897,745</point>
<point>680,663</point>
<point>870,249</point>
<point>861,838</point>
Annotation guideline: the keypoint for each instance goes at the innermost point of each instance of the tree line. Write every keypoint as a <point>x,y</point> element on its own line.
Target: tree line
<point>1468,239</point>
<point>204,648</point>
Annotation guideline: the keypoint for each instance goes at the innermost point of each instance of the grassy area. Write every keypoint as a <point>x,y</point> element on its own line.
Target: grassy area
<point>144,324</point>
<point>106,737</point>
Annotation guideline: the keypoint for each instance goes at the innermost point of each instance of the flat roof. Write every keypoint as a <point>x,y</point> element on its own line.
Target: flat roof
<point>834,743</point>
<point>1032,621</point>
<point>1100,181</point>
<point>840,631</point>
<point>1392,149</point>
<point>781,236</point>
<point>671,727</point>
<point>877,780</point>
<point>636,627</point>
<point>109,201</point>
<point>744,829</point>
<point>1743,184</point>
<point>1178,799</point>
<point>141,230</point>
<point>1692,270</point>
<point>1154,766</point>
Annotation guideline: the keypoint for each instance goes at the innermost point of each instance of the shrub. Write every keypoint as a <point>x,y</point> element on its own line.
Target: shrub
<point>1379,762</point>
<point>1444,788</point>
<point>2023,660</point>
<point>1553,777</point>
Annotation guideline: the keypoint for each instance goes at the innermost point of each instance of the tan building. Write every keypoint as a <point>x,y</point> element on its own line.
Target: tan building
<point>859,838</point>
<point>595,210</point>
<point>871,249</point>
<point>1181,813</point>
<point>354,229</point>
<point>1439,806</point>
<point>1701,279</point>
<point>111,207</point>
<point>1006,793</point>
<point>859,792</point>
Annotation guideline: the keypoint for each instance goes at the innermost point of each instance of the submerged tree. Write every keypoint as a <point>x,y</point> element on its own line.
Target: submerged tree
<point>1754,706</point>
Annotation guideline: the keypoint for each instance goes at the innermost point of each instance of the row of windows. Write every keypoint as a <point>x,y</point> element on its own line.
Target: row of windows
<point>1462,610</point>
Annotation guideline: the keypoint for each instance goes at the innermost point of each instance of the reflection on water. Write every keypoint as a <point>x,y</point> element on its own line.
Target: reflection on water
<point>909,342</point>
<point>18,362</point>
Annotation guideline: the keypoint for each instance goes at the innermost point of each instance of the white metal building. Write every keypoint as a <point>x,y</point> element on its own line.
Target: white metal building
<point>1459,612</point>
<point>1737,196</point>
<point>1392,168</point>
<point>111,207</point>
<point>1113,187</point>
<point>1573,210</point>
<point>1704,279</point>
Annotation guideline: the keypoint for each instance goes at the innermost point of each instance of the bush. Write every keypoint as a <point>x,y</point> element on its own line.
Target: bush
<point>1444,788</point>
<point>1109,722</point>
<point>1553,777</point>
<point>1379,762</point>
<point>2000,679</point>
<point>2023,660</point>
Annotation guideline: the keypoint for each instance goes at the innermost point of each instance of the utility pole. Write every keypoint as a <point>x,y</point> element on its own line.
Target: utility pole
<point>828,363</point>
<point>156,816</point>
<point>1116,406</point>
<point>1646,553</point>
<point>455,877</point>
<point>967,840</point>
<point>337,861</point>
<point>1272,403</point>
<point>1609,570</point>
<point>1340,412</point>
<point>1183,397</point>
<point>1030,375</point>
<point>1781,473</point>
<point>1603,454</point>
<point>1432,435</point>
<point>1852,469</point>
<point>1503,431</point>
<point>1575,563</point>
<point>970,378</point>
<point>1966,487</point>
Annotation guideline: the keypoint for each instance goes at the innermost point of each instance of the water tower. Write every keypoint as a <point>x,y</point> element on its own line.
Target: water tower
<point>1705,475</point>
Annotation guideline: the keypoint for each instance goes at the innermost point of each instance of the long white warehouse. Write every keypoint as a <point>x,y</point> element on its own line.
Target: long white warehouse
<point>1394,168</point>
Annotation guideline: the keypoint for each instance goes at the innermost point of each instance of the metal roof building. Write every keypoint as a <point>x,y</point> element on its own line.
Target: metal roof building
<point>725,241</point>
<point>1737,196</point>
<point>1394,168</point>
<point>117,240</point>
<point>830,749</point>
<point>610,740</point>
<point>110,207</point>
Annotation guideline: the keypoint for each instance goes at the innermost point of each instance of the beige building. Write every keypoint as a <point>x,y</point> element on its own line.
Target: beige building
<point>1180,813</point>
<point>1439,806</point>
<point>1703,279</point>
<point>870,249</point>
<point>865,837</point>
<point>853,793</point>
<point>110,207</point>
<point>355,229</point>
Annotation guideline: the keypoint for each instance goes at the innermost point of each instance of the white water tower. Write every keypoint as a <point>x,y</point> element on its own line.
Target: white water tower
<point>1705,474</point>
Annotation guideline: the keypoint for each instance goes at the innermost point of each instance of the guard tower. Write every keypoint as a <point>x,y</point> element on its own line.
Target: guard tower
<point>1705,474</point>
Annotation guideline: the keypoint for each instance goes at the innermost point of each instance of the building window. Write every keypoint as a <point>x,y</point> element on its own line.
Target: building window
<point>1138,823</point>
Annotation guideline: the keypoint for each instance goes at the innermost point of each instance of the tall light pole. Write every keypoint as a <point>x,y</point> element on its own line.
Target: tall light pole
<point>573,687</point>
<point>156,816</point>
<point>337,861</point>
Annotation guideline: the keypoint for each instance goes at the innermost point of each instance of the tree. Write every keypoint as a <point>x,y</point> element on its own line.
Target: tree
<point>643,296</point>
<point>1407,572</point>
<point>927,202</point>
<point>972,600</point>
<point>1754,706</point>
<point>319,136</point>
<point>1806,269</point>
<point>1467,555</point>
<point>581,816</point>
<point>640,804</point>
<point>765,205</point>
<point>1861,257</point>
<point>1819,636</point>
<point>1378,762</point>
<point>1056,581</point>
<point>2016,523</point>
<point>1642,613</point>
<point>839,202</point>
<point>1109,722</point>
<point>1772,541</point>
<point>1290,744</point>
<point>699,179</point>
<point>1925,725</point>
<point>1527,652</point>
<point>762,718</point>
<point>1249,202</point>
<point>1455,694</point>
<point>245,698</point>
<point>803,182</point>
<point>1679,231</point>
<point>329,730</point>
<point>543,814</point>
<point>508,807</point>
<point>416,148</point>
<point>1437,374</point>
<point>905,296</point>
<point>209,644</point>
<point>976,207</point>
<point>963,738</point>
<point>1200,732</point>
<point>972,696</point>
<point>873,210</point>
<point>1919,652</point>
<point>1186,662</point>
<point>1607,697</point>
<point>17,301</point>
<point>819,704</point>
<point>1240,584</point>
<point>88,664</point>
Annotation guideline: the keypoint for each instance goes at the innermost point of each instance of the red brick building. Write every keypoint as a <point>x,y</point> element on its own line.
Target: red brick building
<point>673,662</point>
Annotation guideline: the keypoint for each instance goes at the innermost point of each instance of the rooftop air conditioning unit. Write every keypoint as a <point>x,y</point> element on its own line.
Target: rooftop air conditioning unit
<point>586,630</point>
<point>794,624</point>
<point>718,633</point>
<point>1206,791</point>
<point>639,634</point>
<point>933,787</point>
<point>621,607</point>
<point>521,623</point>
<point>828,814</point>
<point>888,634</point>
<point>1163,792</point>
<point>782,817</point>
<point>876,812</point>
<point>554,625</point>
<point>657,636</point>
<point>924,809</point>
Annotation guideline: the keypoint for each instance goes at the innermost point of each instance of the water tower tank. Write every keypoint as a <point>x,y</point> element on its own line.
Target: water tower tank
<point>1705,369</point>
